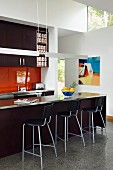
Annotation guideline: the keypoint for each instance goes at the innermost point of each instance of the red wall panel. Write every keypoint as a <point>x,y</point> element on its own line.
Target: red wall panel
<point>8,78</point>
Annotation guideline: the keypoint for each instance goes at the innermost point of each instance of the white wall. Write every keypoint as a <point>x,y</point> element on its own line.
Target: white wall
<point>22,10</point>
<point>50,75</point>
<point>65,14</point>
<point>70,71</point>
<point>95,43</point>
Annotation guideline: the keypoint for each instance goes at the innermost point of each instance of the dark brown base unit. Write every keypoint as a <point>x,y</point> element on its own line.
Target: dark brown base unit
<point>11,120</point>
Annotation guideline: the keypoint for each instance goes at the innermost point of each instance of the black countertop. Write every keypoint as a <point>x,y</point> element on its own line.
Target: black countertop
<point>10,103</point>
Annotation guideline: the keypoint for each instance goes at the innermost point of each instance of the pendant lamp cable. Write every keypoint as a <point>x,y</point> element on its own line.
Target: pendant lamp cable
<point>46,26</point>
<point>37,19</point>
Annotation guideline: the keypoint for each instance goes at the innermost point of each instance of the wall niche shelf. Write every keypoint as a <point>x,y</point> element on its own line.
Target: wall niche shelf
<point>42,47</point>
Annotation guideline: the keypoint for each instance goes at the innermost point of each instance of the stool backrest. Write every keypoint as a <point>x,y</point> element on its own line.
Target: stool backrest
<point>47,113</point>
<point>99,103</point>
<point>74,106</point>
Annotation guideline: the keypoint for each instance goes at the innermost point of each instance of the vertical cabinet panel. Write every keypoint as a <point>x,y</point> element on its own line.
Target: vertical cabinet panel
<point>29,38</point>
<point>2,34</point>
<point>9,60</point>
<point>13,36</point>
<point>12,60</point>
<point>2,60</point>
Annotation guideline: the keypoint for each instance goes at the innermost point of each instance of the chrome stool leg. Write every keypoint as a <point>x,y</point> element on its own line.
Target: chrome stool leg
<point>67,129</point>
<point>89,122</point>
<point>93,128</point>
<point>23,143</point>
<point>103,122</point>
<point>40,147</point>
<point>65,134</point>
<point>52,139</point>
<point>33,139</point>
<point>81,119</point>
<point>80,130</point>
<point>56,130</point>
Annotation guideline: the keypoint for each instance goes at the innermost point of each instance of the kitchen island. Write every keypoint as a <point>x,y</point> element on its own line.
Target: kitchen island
<point>12,116</point>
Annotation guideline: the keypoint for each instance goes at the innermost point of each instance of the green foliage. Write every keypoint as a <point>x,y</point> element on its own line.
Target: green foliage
<point>96,11</point>
<point>61,70</point>
<point>96,18</point>
<point>74,84</point>
<point>110,19</point>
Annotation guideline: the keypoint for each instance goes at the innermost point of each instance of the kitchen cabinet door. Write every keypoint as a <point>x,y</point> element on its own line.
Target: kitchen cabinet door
<point>12,60</point>
<point>9,60</point>
<point>29,38</point>
<point>2,34</point>
<point>13,36</point>
<point>29,61</point>
<point>2,60</point>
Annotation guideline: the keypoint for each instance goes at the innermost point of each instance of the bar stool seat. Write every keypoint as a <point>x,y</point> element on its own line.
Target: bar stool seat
<point>45,120</point>
<point>73,108</point>
<point>64,114</point>
<point>99,102</point>
<point>35,122</point>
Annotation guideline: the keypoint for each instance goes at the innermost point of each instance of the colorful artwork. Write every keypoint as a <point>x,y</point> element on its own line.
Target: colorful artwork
<point>89,71</point>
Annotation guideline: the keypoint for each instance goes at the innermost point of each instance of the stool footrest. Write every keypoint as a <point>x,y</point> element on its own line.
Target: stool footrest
<point>60,138</point>
<point>44,145</point>
<point>32,153</point>
<point>75,134</point>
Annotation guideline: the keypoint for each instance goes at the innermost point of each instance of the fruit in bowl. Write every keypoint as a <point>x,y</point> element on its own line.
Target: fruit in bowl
<point>68,92</point>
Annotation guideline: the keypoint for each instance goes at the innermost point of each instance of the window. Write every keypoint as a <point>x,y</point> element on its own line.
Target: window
<point>61,75</point>
<point>98,18</point>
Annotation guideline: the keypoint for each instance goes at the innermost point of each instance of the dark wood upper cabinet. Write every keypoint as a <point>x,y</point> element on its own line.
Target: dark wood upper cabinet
<point>29,38</point>
<point>3,30</point>
<point>13,36</point>
<point>17,36</point>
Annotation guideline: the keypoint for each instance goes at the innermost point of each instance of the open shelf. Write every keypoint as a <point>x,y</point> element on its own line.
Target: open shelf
<point>42,47</point>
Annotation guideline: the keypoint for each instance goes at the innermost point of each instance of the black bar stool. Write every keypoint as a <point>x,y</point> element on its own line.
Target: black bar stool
<point>99,102</point>
<point>45,120</point>
<point>73,108</point>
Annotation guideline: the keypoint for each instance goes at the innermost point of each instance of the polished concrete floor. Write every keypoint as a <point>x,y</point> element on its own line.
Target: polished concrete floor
<point>98,156</point>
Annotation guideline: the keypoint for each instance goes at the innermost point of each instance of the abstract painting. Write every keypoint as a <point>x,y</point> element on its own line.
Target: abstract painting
<point>89,71</point>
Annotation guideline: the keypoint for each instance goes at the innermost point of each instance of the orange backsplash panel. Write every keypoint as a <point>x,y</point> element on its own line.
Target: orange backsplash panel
<point>11,77</point>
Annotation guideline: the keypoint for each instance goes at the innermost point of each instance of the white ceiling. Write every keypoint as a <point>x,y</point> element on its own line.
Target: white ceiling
<point>106,5</point>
